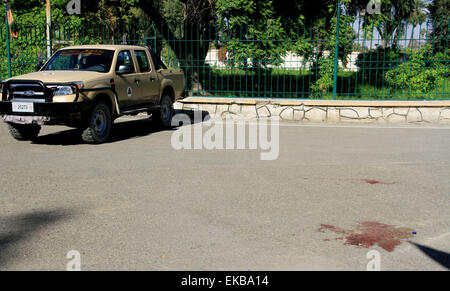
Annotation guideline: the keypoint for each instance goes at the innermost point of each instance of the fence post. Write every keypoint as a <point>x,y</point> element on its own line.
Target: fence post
<point>336,49</point>
<point>8,49</point>
<point>49,31</point>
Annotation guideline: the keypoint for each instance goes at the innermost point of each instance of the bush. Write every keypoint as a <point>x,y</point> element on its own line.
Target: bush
<point>378,60</point>
<point>417,75</point>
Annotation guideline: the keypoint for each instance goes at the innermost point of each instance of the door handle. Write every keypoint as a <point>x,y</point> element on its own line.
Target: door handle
<point>136,81</point>
<point>152,79</point>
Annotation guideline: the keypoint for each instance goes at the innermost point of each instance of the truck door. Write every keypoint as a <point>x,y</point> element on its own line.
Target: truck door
<point>127,85</point>
<point>148,78</point>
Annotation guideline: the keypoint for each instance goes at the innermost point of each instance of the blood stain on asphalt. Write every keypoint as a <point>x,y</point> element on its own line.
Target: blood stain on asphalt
<point>372,182</point>
<point>333,228</point>
<point>371,233</point>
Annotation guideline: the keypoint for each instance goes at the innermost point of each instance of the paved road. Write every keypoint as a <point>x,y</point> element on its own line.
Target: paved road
<point>137,204</point>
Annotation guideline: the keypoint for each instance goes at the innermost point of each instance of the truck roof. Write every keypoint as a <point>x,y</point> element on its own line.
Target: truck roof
<point>105,46</point>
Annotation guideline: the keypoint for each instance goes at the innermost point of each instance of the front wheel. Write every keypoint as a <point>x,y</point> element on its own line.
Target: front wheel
<point>24,131</point>
<point>99,126</point>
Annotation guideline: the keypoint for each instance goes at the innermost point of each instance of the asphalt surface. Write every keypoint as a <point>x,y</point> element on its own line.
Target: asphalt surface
<point>135,203</point>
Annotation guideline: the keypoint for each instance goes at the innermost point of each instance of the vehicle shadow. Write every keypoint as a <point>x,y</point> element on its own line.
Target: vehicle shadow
<point>440,257</point>
<point>122,130</point>
<point>20,228</point>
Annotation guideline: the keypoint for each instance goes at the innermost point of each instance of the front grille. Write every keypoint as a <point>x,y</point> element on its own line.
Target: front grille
<point>26,91</point>
<point>22,90</point>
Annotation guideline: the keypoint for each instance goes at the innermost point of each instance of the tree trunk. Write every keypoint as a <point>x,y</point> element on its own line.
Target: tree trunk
<point>190,49</point>
<point>410,45</point>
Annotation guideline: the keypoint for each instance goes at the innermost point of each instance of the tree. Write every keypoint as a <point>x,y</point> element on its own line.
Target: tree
<point>191,44</point>
<point>417,16</point>
<point>440,15</point>
<point>389,22</point>
<point>242,22</point>
<point>33,12</point>
<point>302,27</point>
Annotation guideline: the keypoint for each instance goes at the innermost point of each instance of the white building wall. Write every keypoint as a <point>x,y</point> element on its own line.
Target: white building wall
<point>291,61</point>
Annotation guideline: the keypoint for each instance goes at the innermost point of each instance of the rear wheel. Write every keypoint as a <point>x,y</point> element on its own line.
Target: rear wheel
<point>164,115</point>
<point>99,126</point>
<point>24,131</point>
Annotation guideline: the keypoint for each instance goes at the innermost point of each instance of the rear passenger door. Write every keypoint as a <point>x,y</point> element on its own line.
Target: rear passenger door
<point>148,78</point>
<point>127,85</point>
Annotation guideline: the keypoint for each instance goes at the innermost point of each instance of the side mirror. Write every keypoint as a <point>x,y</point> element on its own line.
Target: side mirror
<point>39,65</point>
<point>124,69</point>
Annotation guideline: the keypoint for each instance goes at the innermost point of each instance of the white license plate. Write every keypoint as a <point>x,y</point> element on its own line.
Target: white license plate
<point>22,107</point>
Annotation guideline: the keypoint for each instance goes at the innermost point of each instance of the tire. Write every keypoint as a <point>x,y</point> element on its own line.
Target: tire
<point>164,115</point>
<point>99,125</point>
<point>24,131</point>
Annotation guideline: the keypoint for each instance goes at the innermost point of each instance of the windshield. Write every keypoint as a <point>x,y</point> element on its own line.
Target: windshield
<point>95,60</point>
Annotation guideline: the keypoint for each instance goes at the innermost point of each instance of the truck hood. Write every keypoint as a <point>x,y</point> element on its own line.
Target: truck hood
<point>62,76</point>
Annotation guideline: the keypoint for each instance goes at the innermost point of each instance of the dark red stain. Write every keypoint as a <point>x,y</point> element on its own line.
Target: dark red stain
<point>333,228</point>
<point>377,182</point>
<point>371,233</point>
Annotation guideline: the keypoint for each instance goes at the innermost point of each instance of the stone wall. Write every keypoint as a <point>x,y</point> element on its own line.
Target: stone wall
<point>324,111</point>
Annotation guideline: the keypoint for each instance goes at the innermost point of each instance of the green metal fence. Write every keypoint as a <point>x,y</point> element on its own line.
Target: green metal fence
<point>294,61</point>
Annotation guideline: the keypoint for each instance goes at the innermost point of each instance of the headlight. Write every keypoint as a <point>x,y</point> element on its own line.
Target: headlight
<point>63,90</point>
<point>67,90</point>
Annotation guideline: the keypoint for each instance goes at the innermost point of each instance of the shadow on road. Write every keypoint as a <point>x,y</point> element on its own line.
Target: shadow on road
<point>440,257</point>
<point>21,228</point>
<point>120,131</point>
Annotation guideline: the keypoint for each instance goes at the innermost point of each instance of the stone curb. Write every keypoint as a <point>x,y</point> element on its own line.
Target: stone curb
<point>308,102</point>
<point>323,111</point>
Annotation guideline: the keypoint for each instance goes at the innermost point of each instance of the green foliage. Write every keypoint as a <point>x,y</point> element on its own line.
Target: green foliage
<point>253,35</point>
<point>302,47</point>
<point>389,22</point>
<point>172,11</point>
<point>258,35</point>
<point>440,16</point>
<point>96,23</point>
<point>373,63</point>
<point>441,59</point>
<point>28,12</point>
<point>418,14</point>
<point>102,11</point>
<point>346,37</point>
<point>417,75</point>
<point>324,81</point>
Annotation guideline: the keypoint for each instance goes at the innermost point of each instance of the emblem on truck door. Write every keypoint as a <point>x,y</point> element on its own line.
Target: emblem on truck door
<point>129,91</point>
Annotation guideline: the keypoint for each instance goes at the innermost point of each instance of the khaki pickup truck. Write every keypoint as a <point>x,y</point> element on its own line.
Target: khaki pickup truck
<point>88,87</point>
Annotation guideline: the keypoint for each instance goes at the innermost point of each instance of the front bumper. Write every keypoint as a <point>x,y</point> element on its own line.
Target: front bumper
<point>51,110</point>
<point>68,113</point>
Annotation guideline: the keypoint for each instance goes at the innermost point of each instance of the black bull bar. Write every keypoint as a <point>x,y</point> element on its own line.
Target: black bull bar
<point>47,91</point>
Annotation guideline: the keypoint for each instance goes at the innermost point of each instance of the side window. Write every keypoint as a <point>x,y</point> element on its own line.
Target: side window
<point>124,58</point>
<point>142,60</point>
